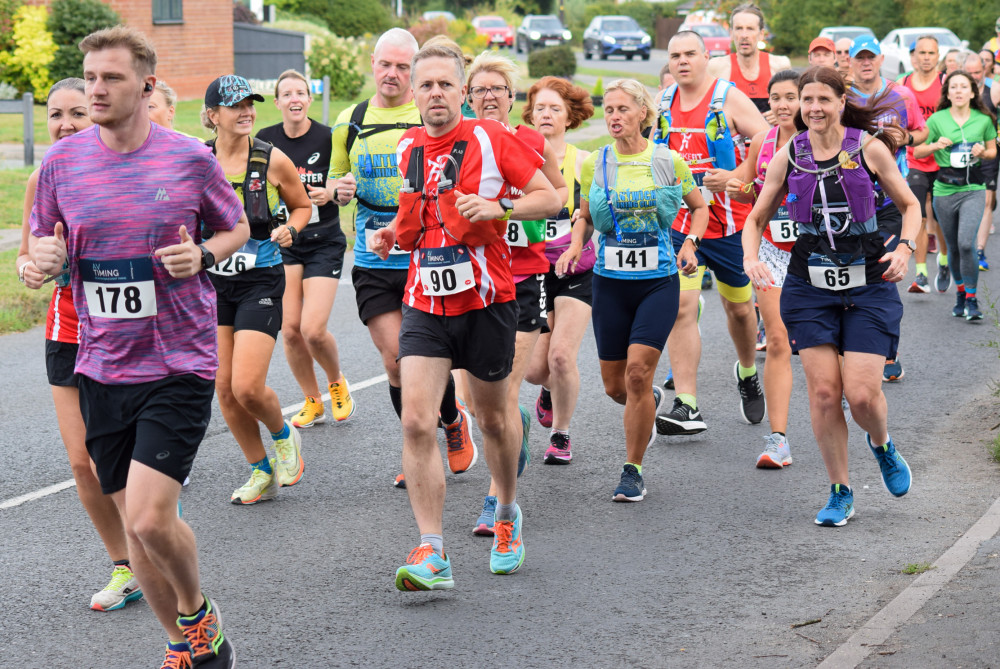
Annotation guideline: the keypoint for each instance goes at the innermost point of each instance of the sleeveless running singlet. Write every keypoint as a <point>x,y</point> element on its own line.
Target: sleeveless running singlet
<point>927,100</point>
<point>756,90</point>
<point>781,231</point>
<point>61,322</point>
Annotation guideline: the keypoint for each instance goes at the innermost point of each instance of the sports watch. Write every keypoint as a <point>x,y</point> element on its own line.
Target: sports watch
<point>912,245</point>
<point>694,240</point>
<point>207,257</point>
<point>508,208</point>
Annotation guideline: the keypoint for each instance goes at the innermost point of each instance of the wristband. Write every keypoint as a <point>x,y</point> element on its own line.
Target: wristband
<point>20,271</point>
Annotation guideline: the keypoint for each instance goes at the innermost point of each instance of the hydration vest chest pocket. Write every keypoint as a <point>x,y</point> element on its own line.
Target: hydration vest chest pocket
<point>825,273</point>
<point>378,221</point>
<point>446,270</point>
<point>634,252</point>
<point>244,259</point>
<point>119,288</point>
<point>783,229</point>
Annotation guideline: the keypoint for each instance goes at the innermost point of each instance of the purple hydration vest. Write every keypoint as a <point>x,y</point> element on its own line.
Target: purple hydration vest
<point>856,182</point>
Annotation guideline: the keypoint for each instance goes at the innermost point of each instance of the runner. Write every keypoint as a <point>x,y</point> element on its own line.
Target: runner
<point>822,53</point>
<point>250,285</point>
<point>748,67</point>
<point>774,251</point>
<point>901,110</point>
<point>844,56</point>
<point>364,163</point>
<point>66,107</point>
<point>631,192</point>
<point>993,43</point>
<point>962,136</point>
<point>554,106</point>
<point>925,84</point>
<point>840,259</point>
<point>458,313</point>
<point>315,259</point>
<point>950,63</point>
<point>162,105</point>
<point>975,66</point>
<point>684,112</point>
<point>491,88</point>
<point>147,354</point>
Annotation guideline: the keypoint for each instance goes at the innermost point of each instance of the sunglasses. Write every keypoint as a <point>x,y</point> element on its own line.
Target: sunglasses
<point>847,51</point>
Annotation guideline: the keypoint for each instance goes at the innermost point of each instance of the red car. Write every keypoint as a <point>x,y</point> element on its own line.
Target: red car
<point>496,29</point>
<point>716,37</point>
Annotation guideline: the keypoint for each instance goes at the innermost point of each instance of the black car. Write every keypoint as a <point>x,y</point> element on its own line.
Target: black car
<point>537,32</point>
<point>616,36</point>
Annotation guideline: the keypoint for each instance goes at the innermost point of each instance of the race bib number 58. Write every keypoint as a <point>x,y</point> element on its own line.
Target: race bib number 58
<point>119,288</point>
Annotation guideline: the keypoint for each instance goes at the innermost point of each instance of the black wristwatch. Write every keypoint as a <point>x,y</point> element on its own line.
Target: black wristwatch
<point>207,257</point>
<point>293,231</point>
<point>912,245</point>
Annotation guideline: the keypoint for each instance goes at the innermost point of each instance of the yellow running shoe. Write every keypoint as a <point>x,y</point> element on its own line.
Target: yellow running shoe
<point>310,414</point>
<point>341,400</point>
<point>259,488</point>
<point>288,466</point>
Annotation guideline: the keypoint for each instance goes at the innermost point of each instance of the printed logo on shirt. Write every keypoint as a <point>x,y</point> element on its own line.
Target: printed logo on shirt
<point>265,302</point>
<point>161,195</point>
<point>313,158</point>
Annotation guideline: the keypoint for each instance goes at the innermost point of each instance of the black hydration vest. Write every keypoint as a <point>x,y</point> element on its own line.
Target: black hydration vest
<point>254,189</point>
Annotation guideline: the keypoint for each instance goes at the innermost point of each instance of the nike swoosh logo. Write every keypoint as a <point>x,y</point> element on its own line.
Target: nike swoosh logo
<point>572,287</point>
<point>336,272</point>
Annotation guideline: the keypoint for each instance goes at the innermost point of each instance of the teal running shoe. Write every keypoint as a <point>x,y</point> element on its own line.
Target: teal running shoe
<point>838,509</point>
<point>507,554</point>
<point>424,570</point>
<point>525,457</point>
<point>895,472</point>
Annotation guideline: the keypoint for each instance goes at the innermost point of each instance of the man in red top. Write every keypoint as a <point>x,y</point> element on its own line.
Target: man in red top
<point>747,66</point>
<point>459,307</point>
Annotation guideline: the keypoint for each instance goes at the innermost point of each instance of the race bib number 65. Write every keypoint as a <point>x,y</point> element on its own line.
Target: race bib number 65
<point>119,288</point>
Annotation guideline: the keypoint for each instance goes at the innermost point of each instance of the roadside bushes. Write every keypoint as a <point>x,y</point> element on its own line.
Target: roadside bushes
<point>26,66</point>
<point>69,22</point>
<point>336,57</point>
<point>556,61</point>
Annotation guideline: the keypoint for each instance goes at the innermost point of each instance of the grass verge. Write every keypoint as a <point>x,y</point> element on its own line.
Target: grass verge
<point>20,308</point>
<point>917,568</point>
<point>12,184</point>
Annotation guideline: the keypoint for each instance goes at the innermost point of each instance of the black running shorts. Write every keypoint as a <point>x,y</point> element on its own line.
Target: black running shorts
<point>251,300</point>
<point>378,291</point>
<point>319,256</point>
<point>577,286</point>
<point>60,363</point>
<point>531,304</point>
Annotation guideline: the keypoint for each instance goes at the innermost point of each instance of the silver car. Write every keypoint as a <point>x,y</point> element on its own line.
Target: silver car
<point>896,47</point>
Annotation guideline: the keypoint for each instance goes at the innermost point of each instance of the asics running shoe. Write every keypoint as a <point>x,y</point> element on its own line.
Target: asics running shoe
<point>893,371</point>
<point>681,419</point>
<point>958,311</point>
<point>895,472</point>
<point>341,401</point>
<point>288,463</point>
<point>543,408</point>
<point>943,279</point>
<point>310,414</point>
<point>425,570</point>
<point>920,285</point>
<point>484,525</point>
<point>558,452</point>
<point>984,266</point>
<point>972,312</point>
<point>525,457</point>
<point>462,453</point>
<point>776,453</point>
<point>631,487</point>
<point>210,648</point>
<point>507,554</point>
<point>120,590</point>
<point>399,481</point>
<point>752,403</point>
<point>259,488</point>
<point>177,658</point>
<point>839,508</point>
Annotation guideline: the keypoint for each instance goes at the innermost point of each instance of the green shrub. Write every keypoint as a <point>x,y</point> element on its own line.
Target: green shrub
<point>7,9</point>
<point>598,88</point>
<point>26,67</point>
<point>71,21</point>
<point>337,57</point>
<point>349,18</point>
<point>557,61</point>
<point>460,30</point>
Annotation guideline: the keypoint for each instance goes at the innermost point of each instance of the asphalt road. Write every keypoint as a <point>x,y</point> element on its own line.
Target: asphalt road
<point>616,65</point>
<point>712,569</point>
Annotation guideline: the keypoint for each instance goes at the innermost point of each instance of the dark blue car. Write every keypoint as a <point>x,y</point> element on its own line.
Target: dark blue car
<point>616,36</point>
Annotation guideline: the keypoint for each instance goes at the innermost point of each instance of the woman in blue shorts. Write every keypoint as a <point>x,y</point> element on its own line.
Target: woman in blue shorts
<point>838,296</point>
<point>631,191</point>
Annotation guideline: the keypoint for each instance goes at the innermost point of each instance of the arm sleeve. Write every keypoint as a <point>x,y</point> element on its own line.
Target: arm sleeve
<point>220,208</point>
<point>340,162</point>
<point>587,176</point>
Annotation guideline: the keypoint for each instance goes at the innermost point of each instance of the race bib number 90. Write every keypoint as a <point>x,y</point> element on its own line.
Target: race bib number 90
<point>119,288</point>
<point>446,271</point>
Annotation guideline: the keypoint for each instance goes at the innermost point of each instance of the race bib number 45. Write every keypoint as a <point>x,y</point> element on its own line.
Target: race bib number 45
<point>446,271</point>
<point>119,288</point>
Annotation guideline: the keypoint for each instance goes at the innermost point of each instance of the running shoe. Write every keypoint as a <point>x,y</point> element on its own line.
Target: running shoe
<point>943,279</point>
<point>120,590</point>
<point>630,487</point>
<point>984,266</point>
<point>210,648</point>
<point>424,570</point>
<point>931,243</point>
<point>761,336</point>
<point>399,481</point>
<point>972,312</point>
<point>288,465</point>
<point>525,457</point>
<point>920,285</point>
<point>507,554</point>
<point>558,452</point>
<point>838,509</point>
<point>752,403</point>
<point>658,397</point>
<point>895,472</point>
<point>847,409</point>
<point>706,281</point>
<point>682,419</point>
<point>341,401</point>
<point>484,525</point>
<point>958,311</point>
<point>259,488</point>
<point>310,414</point>
<point>893,371</point>
<point>543,408</point>
<point>668,383</point>
<point>177,659</point>
<point>776,453</point>
<point>462,452</point>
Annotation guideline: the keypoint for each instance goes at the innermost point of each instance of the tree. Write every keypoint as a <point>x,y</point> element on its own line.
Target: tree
<point>69,22</point>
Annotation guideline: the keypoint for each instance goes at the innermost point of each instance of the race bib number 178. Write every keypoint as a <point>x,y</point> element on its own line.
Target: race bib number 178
<point>119,288</point>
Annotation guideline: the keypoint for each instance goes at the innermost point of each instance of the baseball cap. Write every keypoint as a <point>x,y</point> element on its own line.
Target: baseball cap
<point>865,43</point>
<point>822,43</point>
<point>229,90</point>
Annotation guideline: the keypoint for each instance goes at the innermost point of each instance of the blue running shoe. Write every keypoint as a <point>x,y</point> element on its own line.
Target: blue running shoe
<point>631,487</point>
<point>895,471</point>
<point>984,266</point>
<point>669,382</point>
<point>839,509</point>
<point>706,281</point>
<point>525,457</point>
<point>507,554</point>
<point>893,371</point>
<point>425,570</point>
<point>484,525</point>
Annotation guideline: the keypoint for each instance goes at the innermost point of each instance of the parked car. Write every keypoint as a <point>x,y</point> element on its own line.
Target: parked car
<point>716,37</point>
<point>615,36</point>
<point>896,47</point>
<point>495,28</point>
<point>537,31</point>
<point>430,16</point>
<point>850,32</point>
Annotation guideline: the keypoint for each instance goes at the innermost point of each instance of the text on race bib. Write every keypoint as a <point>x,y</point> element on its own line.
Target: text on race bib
<point>824,273</point>
<point>376,222</point>
<point>635,252</point>
<point>960,155</point>
<point>245,258</point>
<point>557,228</point>
<point>119,288</point>
<point>446,270</point>
<point>782,228</point>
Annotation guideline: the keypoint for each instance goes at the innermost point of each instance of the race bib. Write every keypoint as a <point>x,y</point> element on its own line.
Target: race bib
<point>824,273</point>
<point>961,154</point>
<point>446,271</point>
<point>557,228</point>
<point>699,177</point>
<point>782,228</point>
<point>522,233</point>
<point>119,288</point>
<point>245,258</point>
<point>378,221</point>
<point>636,252</point>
